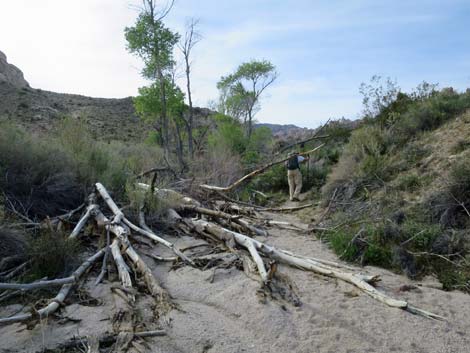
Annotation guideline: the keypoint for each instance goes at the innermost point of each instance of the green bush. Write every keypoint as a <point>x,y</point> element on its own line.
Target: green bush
<point>459,180</point>
<point>45,175</point>
<point>430,113</point>
<point>460,146</point>
<point>52,255</point>
<point>409,182</point>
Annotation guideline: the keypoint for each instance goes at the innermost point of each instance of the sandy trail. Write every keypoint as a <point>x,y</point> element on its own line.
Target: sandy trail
<point>227,315</point>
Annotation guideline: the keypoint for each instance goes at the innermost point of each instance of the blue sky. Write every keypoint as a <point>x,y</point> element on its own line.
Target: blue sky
<point>323,50</point>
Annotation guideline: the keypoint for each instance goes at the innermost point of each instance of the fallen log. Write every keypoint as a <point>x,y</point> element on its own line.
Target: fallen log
<point>358,280</point>
<point>253,173</point>
<point>81,223</point>
<point>219,214</point>
<point>123,269</point>
<point>119,216</point>
<point>59,298</point>
<point>284,209</point>
<point>37,285</point>
<point>161,296</point>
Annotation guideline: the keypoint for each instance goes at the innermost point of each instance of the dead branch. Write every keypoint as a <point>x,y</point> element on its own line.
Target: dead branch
<point>156,170</point>
<point>219,214</point>
<point>59,298</point>
<point>161,296</point>
<point>123,269</point>
<point>105,259</point>
<point>253,173</point>
<point>313,137</point>
<point>37,285</point>
<point>286,209</point>
<point>119,216</point>
<point>358,280</point>
<point>81,223</point>
<point>14,272</point>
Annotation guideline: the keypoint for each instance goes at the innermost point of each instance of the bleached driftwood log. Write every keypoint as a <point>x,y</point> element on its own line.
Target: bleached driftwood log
<point>119,216</point>
<point>359,280</point>
<point>123,269</point>
<point>59,298</point>
<point>284,209</point>
<point>220,214</point>
<point>253,173</point>
<point>37,285</point>
<point>162,297</point>
<point>81,223</point>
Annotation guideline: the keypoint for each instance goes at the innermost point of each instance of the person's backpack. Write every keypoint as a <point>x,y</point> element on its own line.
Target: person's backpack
<point>293,163</point>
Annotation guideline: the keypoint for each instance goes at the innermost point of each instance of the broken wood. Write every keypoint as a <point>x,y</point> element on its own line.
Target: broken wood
<point>253,173</point>
<point>285,209</point>
<point>81,223</point>
<point>161,296</point>
<point>119,216</point>
<point>37,285</point>
<point>358,280</point>
<point>59,298</point>
<point>236,219</point>
<point>123,269</point>
<point>311,138</point>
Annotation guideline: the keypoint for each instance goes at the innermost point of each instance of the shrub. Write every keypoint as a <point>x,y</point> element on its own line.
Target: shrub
<point>52,255</point>
<point>35,175</point>
<point>460,146</point>
<point>409,182</point>
<point>449,206</point>
<point>43,176</point>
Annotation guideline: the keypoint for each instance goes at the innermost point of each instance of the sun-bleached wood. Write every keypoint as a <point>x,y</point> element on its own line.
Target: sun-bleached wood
<point>60,297</point>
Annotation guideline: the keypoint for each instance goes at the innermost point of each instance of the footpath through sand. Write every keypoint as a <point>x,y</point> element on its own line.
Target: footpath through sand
<point>223,312</point>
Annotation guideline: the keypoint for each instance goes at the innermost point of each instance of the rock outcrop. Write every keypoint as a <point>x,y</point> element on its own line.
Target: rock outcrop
<point>11,74</point>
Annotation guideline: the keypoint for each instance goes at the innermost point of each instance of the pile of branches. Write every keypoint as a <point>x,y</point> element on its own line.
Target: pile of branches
<point>233,228</point>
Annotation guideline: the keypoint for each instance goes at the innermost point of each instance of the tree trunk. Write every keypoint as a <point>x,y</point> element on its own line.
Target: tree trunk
<point>164,117</point>
<point>179,147</point>
<point>191,115</point>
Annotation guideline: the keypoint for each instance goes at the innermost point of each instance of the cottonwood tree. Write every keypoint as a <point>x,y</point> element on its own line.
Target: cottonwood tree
<point>186,45</point>
<point>148,105</point>
<point>151,41</point>
<point>240,92</point>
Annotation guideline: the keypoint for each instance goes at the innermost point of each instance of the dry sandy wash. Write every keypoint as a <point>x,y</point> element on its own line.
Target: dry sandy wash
<point>229,315</point>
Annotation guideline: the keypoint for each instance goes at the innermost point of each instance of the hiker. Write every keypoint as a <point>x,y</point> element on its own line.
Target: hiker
<point>294,177</point>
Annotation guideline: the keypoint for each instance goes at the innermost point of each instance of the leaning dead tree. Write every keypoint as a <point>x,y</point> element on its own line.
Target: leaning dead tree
<point>253,173</point>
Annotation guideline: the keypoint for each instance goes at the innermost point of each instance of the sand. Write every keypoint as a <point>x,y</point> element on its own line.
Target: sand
<point>228,316</point>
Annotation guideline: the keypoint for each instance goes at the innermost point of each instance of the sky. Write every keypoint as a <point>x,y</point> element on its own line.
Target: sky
<point>322,49</point>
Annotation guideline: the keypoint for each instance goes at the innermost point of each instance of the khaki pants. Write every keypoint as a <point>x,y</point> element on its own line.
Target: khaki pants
<point>294,177</point>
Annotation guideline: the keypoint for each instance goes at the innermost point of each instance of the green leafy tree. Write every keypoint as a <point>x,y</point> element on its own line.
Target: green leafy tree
<point>240,92</point>
<point>151,41</point>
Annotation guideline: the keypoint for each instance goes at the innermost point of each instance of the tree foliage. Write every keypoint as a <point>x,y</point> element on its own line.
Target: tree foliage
<point>240,92</point>
<point>152,42</point>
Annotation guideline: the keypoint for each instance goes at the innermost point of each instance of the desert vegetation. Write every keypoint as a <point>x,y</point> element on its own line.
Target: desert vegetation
<point>141,222</point>
<point>409,214</point>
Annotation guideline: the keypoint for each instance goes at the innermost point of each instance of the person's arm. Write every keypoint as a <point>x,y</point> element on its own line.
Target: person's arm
<point>302,159</point>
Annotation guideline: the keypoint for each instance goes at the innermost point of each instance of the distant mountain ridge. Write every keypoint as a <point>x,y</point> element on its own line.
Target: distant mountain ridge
<point>109,118</point>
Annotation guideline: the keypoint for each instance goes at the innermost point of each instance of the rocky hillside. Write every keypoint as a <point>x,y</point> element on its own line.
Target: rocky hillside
<point>11,74</point>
